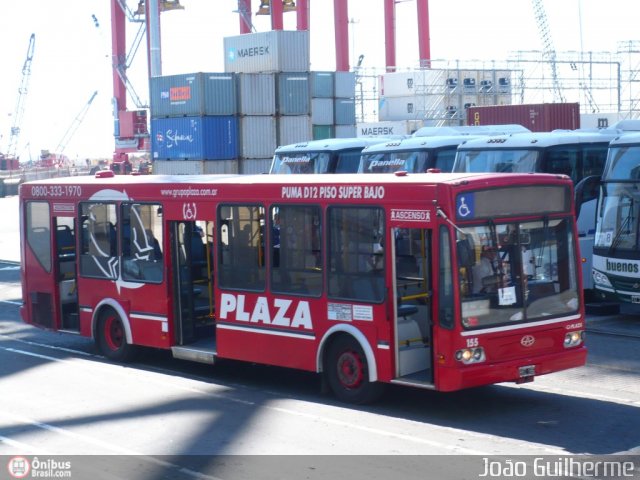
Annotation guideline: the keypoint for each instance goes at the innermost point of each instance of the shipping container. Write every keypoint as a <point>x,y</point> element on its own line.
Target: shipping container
<point>294,129</point>
<point>257,92</point>
<point>345,131</point>
<point>399,108</point>
<point>344,111</point>
<point>193,94</point>
<point>255,166</point>
<point>293,94</point>
<point>321,132</point>
<point>322,84</point>
<point>542,117</point>
<point>194,167</point>
<point>267,52</point>
<point>258,136</point>
<point>194,138</point>
<point>345,84</point>
<point>322,111</point>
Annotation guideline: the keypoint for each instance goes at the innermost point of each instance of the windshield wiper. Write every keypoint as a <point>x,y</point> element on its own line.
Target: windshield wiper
<point>623,229</point>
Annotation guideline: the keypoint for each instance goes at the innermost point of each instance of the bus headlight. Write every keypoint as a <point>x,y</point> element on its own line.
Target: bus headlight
<point>573,339</point>
<point>470,355</point>
<point>601,279</point>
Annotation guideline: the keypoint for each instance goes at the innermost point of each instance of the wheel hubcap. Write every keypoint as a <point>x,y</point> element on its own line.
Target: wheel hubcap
<point>350,370</point>
<point>114,333</point>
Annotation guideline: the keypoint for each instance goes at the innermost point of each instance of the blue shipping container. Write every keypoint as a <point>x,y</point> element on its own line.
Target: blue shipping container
<point>194,138</point>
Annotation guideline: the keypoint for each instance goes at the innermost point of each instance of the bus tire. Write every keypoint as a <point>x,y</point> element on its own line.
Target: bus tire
<point>111,337</point>
<point>347,372</point>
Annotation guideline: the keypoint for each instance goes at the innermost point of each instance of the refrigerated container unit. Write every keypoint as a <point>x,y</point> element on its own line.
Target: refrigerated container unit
<point>194,138</point>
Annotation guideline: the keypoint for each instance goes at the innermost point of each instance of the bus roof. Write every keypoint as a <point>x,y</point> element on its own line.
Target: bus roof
<point>626,139</point>
<point>184,181</point>
<point>540,139</point>
<point>330,144</point>
<point>470,130</point>
<point>418,143</point>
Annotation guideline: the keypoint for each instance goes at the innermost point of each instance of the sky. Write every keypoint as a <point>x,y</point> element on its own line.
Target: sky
<point>72,57</point>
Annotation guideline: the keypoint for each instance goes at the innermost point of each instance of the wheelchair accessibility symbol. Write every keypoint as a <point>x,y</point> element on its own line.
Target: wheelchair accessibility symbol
<point>464,206</point>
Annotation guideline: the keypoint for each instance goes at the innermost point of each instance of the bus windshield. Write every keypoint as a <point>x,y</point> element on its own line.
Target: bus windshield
<point>497,160</point>
<point>301,162</point>
<point>623,163</point>
<point>617,226</point>
<point>390,162</point>
<point>516,272</point>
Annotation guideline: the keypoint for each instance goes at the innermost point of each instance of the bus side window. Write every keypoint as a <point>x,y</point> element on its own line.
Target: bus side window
<point>98,240</point>
<point>242,257</point>
<point>356,255</point>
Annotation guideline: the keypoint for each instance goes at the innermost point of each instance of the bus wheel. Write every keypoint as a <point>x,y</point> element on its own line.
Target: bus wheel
<point>347,372</point>
<point>111,337</point>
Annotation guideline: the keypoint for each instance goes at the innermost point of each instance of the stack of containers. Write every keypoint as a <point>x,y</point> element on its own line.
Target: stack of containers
<point>345,105</point>
<point>273,68</point>
<point>194,123</point>
<point>308,105</point>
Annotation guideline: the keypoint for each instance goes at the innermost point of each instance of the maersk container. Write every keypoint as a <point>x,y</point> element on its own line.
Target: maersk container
<point>322,84</point>
<point>267,52</point>
<point>194,138</point>
<point>540,117</point>
<point>322,111</point>
<point>345,85</point>
<point>293,94</point>
<point>294,129</point>
<point>320,132</point>
<point>258,136</point>
<point>193,94</point>
<point>344,111</point>
<point>257,93</point>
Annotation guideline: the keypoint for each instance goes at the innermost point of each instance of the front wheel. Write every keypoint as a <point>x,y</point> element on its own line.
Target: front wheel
<point>111,337</point>
<point>347,372</point>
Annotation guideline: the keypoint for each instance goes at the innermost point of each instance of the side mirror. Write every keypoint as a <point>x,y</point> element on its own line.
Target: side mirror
<point>586,190</point>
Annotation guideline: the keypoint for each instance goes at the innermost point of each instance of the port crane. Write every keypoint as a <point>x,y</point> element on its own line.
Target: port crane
<point>68,135</point>
<point>18,114</point>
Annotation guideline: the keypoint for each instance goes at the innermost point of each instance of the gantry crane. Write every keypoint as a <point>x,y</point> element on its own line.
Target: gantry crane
<point>22,97</point>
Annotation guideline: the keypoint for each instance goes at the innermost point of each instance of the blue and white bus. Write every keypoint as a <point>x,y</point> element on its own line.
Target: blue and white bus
<point>616,252</point>
<point>575,153</point>
<point>332,155</point>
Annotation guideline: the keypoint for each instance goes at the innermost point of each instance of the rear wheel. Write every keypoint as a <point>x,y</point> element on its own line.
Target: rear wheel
<point>347,372</point>
<point>111,337</point>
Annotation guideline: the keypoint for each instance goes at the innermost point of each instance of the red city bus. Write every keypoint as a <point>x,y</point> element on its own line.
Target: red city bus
<point>437,280</point>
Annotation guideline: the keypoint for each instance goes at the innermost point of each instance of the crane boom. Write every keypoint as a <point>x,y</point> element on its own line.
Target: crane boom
<point>549,51</point>
<point>68,135</point>
<point>22,96</point>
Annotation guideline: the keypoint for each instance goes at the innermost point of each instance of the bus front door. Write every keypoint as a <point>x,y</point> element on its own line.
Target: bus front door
<point>193,281</point>
<point>413,326</point>
<point>65,263</point>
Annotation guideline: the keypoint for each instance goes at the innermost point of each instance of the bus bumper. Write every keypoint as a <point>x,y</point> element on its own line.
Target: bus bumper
<point>519,371</point>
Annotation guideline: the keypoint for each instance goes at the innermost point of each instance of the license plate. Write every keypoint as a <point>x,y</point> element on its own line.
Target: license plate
<point>527,371</point>
<point>635,298</point>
